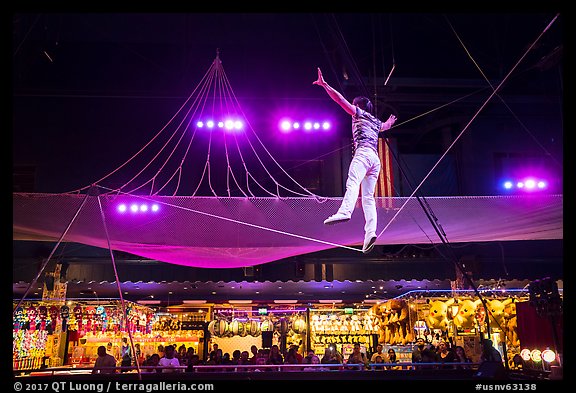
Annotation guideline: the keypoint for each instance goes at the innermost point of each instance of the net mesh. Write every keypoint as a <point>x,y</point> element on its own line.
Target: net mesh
<point>228,232</point>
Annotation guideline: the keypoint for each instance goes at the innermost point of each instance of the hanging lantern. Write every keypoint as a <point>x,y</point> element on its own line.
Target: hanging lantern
<point>221,328</point>
<point>267,325</point>
<point>254,328</point>
<point>237,327</point>
<point>299,325</point>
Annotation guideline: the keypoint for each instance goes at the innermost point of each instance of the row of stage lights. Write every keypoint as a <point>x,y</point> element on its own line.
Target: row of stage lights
<point>527,184</point>
<point>537,356</point>
<point>285,125</point>
<point>230,124</point>
<point>138,208</point>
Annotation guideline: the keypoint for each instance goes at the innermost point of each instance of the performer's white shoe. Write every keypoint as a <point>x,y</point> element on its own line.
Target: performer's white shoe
<point>369,242</point>
<point>336,219</point>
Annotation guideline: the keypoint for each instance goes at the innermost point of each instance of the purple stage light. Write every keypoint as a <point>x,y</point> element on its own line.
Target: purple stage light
<point>238,125</point>
<point>316,126</point>
<point>285,126</point>
<point>541,184</point>
<point>210,124</point>
<point>200,124</point>
<point>325,125</point>
<point>135,207</point>
<point>229,124</point>
<point>307,125</point>
<point>508,185</point>
<point>296,125</point>
<point>530,184</point>
<point>220,124</point>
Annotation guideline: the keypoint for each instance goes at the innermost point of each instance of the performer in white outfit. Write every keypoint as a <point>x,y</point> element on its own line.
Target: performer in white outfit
<point>365,165</point>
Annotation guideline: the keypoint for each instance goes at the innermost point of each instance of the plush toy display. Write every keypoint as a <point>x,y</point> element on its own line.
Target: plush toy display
<point>496,313</point>
<point>438,314</point>
<point>511,325</point>
<point>466,316</point>
<point>402,318</point>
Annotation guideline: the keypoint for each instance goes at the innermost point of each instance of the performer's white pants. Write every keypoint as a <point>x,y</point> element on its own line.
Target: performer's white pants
<point>364,170</point>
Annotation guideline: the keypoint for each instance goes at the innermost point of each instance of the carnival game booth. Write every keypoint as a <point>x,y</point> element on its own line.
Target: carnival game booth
<point>457,316</point>
<point>239,325</point>
<point>52,333</point>
<point>340,327</point>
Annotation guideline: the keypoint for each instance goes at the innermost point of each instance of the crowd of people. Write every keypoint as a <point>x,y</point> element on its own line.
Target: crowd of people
<point>424,356</point>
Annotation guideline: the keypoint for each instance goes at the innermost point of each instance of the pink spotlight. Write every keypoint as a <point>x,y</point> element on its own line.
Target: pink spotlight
<point>308,125</point>
<point>238,125</point>
<point>541,184</point>
<point>155,207</point>
<point>143,208</point>
<point>122,208</point>
<point>200,124</point>
<point>210,124</point>
<point>285,126</point>
<point>530,184</point>
<point>134,208</point>
<point>325,125</point>
<point>316,126</point>
<point>229,124</point>
<point>520,185</point>
<point>296,125</point>
<point>220,124</point>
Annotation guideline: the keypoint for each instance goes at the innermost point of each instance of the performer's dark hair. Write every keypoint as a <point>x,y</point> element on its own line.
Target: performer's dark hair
<point>363,103</point>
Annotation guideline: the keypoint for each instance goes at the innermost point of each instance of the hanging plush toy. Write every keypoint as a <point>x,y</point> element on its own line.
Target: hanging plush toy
<point>31,313</point>
<point>53,313</point>
<point>77,311</point>
<point>19,318</point>
<point>466,316</point>
<point>64,315</point>
<point>43,314</point>
<point>512,325</point>
<point>438,314</point>
<point>90,312</point>
<point>496,315</point>
<point>102,317</point>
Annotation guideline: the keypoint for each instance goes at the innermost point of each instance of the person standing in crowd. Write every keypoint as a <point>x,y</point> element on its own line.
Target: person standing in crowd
<point>489,353</point>
<point>169,361</point>
<point>275,357</point>
<point>358,357</point>
<point>378,352</point>
<point>104,362</point>
<point>444,354</point>
<point>152,361</point>
<point>461,357</point>
<point>365,166</point>
<point>392,359</point>
<point>422,353</point>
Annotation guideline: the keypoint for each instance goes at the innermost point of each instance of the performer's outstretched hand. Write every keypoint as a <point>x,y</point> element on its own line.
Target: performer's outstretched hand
<point>389,123</point>
<point>320,81</point>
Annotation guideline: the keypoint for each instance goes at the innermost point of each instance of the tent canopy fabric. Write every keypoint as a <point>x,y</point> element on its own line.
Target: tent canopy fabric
<point>230,232</point>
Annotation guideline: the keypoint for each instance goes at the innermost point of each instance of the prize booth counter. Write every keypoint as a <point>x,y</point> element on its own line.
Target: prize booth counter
<point>53,333</point>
